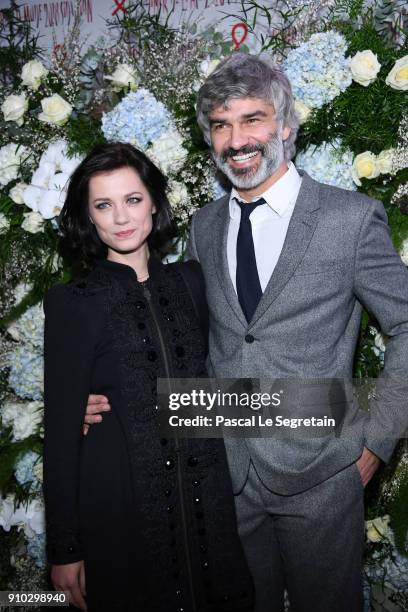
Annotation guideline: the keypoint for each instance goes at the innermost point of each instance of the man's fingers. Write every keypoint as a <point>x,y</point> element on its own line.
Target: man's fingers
<point>97,399</point>
<point>85,429</point>
<point>90,419</point>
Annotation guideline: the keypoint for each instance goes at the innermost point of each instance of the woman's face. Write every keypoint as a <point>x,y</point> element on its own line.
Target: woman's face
<point>121,209</point>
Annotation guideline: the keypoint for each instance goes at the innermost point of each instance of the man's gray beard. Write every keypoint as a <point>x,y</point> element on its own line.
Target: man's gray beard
<point>272,155</point>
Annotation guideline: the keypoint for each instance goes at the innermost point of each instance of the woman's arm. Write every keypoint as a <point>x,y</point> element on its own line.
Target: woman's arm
<point>69,348</point>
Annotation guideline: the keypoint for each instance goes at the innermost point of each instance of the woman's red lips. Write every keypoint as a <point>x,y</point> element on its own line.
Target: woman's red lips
<point>124,234</point>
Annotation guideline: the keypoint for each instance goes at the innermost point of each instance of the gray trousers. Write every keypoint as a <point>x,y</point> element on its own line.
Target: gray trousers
<point>310,543</point>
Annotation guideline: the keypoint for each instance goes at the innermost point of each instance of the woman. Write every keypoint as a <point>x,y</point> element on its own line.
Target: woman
<point>134,521</point>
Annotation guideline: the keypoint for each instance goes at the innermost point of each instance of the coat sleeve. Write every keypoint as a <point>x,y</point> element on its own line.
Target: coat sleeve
<point>69,348</point>
<point>381,284</point>
<point>191,250</point>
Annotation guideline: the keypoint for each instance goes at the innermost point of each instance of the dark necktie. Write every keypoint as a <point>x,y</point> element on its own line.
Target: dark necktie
<point>248,286</point>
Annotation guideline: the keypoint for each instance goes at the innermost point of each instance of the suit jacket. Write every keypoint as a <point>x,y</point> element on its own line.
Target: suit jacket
<point>337,257</point>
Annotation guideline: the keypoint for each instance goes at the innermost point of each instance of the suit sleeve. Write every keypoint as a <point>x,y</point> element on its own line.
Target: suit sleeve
<point>381,284</point>
<point>68,359</point>
<point>191,250</point>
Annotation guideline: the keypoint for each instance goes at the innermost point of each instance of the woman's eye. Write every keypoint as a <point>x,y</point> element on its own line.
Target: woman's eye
<point>101,205</point>
<point>133,200</point>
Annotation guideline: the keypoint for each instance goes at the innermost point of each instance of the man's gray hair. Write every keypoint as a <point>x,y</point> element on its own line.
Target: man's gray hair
<point>246,76</point>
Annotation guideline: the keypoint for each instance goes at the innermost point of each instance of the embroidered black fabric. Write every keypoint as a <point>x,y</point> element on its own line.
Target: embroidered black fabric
<point>175,496</point>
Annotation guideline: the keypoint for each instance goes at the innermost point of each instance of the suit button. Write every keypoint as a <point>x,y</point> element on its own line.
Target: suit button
<point>192,461</point>
<point>169,464</point>
<point>196,483</point>
<point>167,492</point>
<point>249,338</point>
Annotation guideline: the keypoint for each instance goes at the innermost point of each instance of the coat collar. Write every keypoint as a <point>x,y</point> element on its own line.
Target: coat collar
<point>125,272</point>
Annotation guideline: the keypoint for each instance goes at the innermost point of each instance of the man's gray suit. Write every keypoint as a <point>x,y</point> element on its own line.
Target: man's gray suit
<point>337,258</point>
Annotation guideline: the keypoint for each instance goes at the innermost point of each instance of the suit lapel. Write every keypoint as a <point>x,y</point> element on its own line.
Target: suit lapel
<point>219,246</point>
<point>300,231</point>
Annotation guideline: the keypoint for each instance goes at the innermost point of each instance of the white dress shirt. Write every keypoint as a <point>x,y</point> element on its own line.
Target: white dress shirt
<point>269,224</point>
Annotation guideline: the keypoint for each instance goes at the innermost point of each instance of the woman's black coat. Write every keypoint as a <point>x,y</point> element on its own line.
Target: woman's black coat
<point>154,524</point>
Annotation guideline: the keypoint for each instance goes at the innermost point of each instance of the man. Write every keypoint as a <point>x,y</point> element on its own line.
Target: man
<point>286,281</point>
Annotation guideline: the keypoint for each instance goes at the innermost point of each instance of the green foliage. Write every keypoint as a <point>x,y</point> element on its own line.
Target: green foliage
<point>10,453</point>
<point>398,510</point>
<point>83,133</point>
<point>18,45</point>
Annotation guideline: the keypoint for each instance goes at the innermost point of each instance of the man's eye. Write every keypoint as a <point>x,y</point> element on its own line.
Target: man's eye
<point>219,126</point>
<point>253,120</point>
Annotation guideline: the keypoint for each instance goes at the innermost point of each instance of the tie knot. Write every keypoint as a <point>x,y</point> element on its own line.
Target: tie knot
<point>248,207</point>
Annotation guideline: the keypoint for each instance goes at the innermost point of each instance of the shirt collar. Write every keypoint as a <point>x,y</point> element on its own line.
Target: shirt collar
<point>279,197</point>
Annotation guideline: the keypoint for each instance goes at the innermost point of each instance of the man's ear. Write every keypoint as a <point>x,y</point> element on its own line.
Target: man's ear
<point>286,132</point>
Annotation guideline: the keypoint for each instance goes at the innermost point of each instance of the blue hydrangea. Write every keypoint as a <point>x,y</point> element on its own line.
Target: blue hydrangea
<point>30,326</point>
<point>139,119</point>
<point>36,549</point>
<point>218,189</point>
<point>24,470</point>
<point>318,69</point>
<point>328,163</point>
<point>26,372</point>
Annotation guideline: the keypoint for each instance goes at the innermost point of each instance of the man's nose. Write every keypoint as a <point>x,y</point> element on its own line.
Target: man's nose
<point>239,137</point>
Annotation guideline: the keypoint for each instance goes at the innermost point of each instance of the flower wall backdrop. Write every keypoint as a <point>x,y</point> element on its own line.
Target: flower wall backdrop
<point>349,71</point>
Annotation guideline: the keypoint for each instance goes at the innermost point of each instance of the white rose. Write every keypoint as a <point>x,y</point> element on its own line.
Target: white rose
<point>168,152</point>
<point>56,110</point>
<point>32,196</point>
<point>379,528</point>
<point>364,67</point>
<point>397,78</point>
<point>404,252</point>
<point>6,512</point>
<point>33,222</point>
<point>11,156</point>
<point>16,193</point>
<point>4,224</point>
<point>302,111</point>
<point>208,66</point>
<point>380,341</point>
<point>23,417</point>
<point>123,77</point>
<point>14,107</point>
<point>32,74</point>
<point>27,419</point>
<point>385,161</point>
<point>364,166</point>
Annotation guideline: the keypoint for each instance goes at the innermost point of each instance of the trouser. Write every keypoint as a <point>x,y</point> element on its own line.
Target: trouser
<point>310,543</point>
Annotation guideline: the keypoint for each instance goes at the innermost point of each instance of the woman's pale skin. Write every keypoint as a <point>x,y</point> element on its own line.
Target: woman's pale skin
<point>121,209</point>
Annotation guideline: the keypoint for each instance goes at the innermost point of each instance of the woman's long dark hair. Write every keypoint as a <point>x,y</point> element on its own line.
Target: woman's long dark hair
<point>80,242</point>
